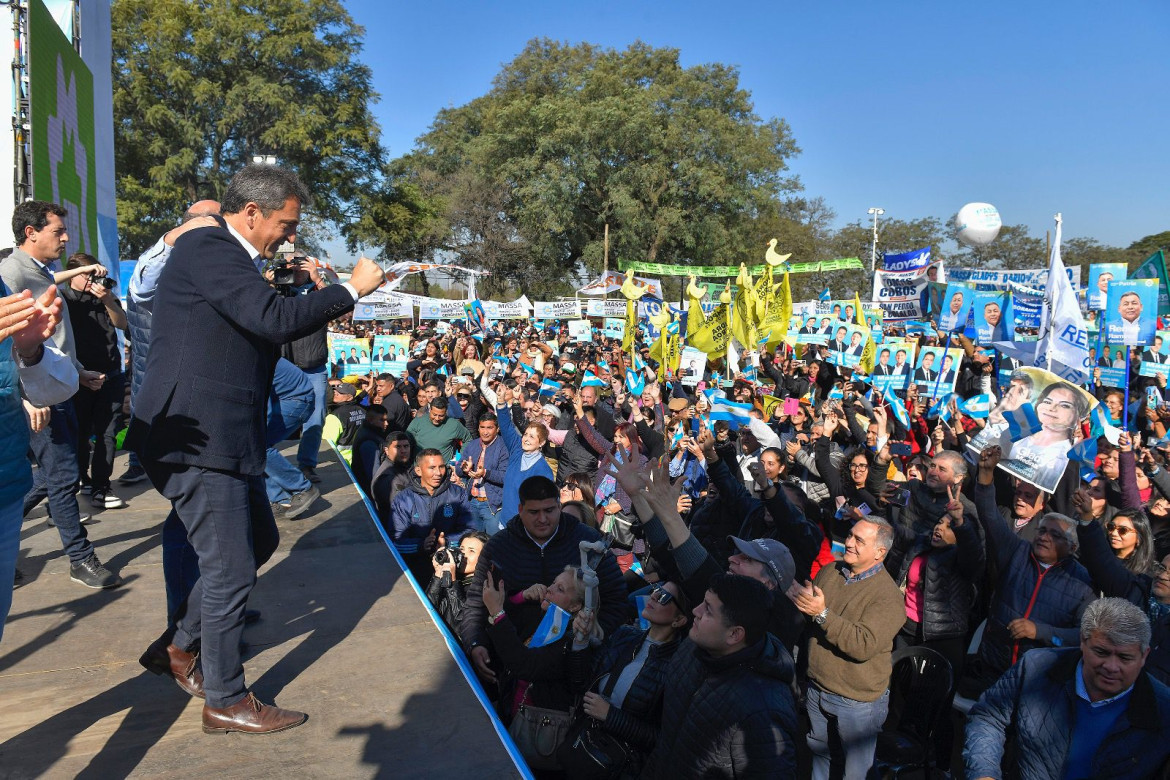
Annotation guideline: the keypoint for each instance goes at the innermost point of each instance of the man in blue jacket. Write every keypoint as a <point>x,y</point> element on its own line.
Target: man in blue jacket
<point>431,509</point>
<point>484,463</point>
<point>1091,711</point>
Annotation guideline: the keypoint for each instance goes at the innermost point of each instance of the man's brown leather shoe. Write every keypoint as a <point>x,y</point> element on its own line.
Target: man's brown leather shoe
<point>179,664</point>
<point>250,716</point>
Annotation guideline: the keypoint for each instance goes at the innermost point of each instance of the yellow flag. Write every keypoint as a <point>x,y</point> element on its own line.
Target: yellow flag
<point>743,314</point>
<point>695,317</point>
<point>779,314</point>
<point>770,404</point>
<point>865,364</point>
<point>715,332</point>
<point>631,326</point>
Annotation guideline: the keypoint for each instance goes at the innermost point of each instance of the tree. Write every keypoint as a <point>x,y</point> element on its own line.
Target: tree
<point>1013,248</point>
<point>571,138</point>
<point>200,86</point>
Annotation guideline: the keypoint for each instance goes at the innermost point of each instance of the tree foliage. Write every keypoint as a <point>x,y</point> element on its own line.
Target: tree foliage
<point>572,137</point>
<point>200,86</point>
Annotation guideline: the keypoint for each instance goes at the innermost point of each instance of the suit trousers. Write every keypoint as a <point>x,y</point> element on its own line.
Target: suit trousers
<point>99,415</point>
<point>229,524</point>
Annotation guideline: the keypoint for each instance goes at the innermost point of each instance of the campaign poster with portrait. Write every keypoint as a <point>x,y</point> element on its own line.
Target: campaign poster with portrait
<point>956,305</point>
<point>1100,275</point>
<point>992,314</point>
<point>1131,316</point>
<point>847,344</point>
<point>893,365</point>
<point>692,365</point>
<point>936,371</point>
<point>812,330</point>
<point>580,331</point>
<point>1035,424</point>
<point>1159,351</point>
<point>875,321</point>
<point>389,355</point>
<point>351,353</point>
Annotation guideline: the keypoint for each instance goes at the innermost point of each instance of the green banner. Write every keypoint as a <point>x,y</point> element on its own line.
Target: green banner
<point>1154,267</point>
<point>64,153</point>
<point>670,269</point>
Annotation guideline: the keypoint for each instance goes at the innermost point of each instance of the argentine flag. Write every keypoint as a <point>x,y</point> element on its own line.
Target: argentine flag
<point>735,414</point>
<point>527,368</point>
<point>825,296</point>
<point>549,388</point>
<point>942,408</point>
<point>899,409</point>
<point>1085,452</point>
<point>604,366</point>
<point>591,380</point>
<point>640,602</point>
<point>552,628</point>
<point>635,381</point>
<point>1022,422</point>
<point>976,406</point>
<point>1101,425</point>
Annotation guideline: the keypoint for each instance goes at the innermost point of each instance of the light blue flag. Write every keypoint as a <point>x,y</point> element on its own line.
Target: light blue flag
<point>604,365</point>
<point>591,380</point>
<point>1022,422</point>
<point>1085,452</point>
<point>640,601</point>
<point>976,406</point>
<point>549,388</point>
<point>735,414</point>
<point>635,381</point>
<point>1102,425</point>
<point>825,295</point>
<point>527,368</point>
<point>443,370</point>
<point>942,408</point>
<point>836,392</point>
<point>552,628</point>
<point>898,408</point>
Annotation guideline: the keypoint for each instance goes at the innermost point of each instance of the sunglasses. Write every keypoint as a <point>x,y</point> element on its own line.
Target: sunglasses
<point>1122,531</point>
<point>661,595</point>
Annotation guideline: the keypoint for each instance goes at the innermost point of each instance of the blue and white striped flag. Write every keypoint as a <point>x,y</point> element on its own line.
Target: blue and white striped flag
<point>1100,424</point>
<point>1022,422</point>
<point>1085,452</point>
<point>549,388</point>
<point>942,408</point>
<point>604,366</point>
<point>735,414</point>
<point>591,380</point>
<point>635,381</point>
<point>825,294</point>
<point>443,370</point>
<point>553,627</point>
<point>528,368</point>
<point>640,602</point>
<point>976,406</point>
<point>898,408</point>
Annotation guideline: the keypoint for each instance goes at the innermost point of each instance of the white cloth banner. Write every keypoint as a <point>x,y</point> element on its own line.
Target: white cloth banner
<point>390,310</point>
<point>396,272</point>
<point>605,308</point>
<point>509,310</point>
<point>438,309</point>
<point>612,282</point>
<point>1064,325</point>
<point>902,295</point>
<point>982,279</point>
<point>556,310</point>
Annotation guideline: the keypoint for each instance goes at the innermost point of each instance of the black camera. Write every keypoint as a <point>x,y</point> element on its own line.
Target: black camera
<point>450,555</point>
<point>104,281</point>
<point>284,270</point>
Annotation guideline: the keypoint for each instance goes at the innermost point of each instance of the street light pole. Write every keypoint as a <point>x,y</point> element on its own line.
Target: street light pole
<point>876,212</point>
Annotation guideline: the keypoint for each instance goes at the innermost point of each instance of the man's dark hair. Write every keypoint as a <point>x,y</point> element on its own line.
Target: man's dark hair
<point>538,488</point>
<point>79,259</point>
<point>394,437</point>
<point>427,453</point>
<point>746,602</point>
<point>438,402</point>
<point>268,186</point>
<point>386,378</point>
<point>489,417</point>
<point>375,409</point>
<point>34,214</point>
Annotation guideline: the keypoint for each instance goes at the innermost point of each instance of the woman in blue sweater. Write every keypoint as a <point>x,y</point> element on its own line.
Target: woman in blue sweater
<point>524,454</point>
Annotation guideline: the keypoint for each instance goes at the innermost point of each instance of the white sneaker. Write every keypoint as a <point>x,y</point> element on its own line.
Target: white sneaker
<point>103,499</point>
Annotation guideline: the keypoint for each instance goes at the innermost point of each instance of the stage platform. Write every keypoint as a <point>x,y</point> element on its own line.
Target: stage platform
<point>343,636</point>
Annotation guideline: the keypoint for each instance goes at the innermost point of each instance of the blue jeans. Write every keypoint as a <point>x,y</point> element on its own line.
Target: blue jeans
<point>55,450</point>
<point>311,432</point>
<point>291,404</point>
<point>486,519</point>
<point>843,733</point>
<point>10,519</point>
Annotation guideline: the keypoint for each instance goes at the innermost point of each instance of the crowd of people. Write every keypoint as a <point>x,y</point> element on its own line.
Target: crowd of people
<point>653,574</point>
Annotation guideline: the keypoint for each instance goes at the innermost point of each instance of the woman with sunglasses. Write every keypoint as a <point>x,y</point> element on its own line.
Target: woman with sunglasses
<point>1148,589</point>
<point>1130,538</point>
<point>629,672</point>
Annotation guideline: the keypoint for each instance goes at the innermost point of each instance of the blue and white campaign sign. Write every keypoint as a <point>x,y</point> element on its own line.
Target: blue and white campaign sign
<point>557,310</point>
<point>1100,275</point>
<point>982,279</point>
<point>992,314</point>
<point>907,261</point>
<point>1131,316</point>
<point>956,305</point>
<point>1115,377</point>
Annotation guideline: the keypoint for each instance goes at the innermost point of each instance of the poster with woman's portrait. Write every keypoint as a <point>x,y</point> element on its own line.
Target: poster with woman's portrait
<point>1035,424</point>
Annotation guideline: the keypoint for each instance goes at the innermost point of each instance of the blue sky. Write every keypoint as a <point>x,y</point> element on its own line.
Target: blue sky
<point>914,107</point>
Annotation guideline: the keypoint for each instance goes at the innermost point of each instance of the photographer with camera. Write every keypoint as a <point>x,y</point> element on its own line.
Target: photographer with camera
<point>96,317</point>
<point>454,567</point>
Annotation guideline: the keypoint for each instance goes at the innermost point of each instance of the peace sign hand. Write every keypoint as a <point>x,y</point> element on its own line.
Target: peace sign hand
<point>954,506</point>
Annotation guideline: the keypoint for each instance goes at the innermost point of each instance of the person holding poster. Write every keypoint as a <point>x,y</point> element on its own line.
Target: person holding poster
<point>958,305</point>
<point>1130,317</point>
<point>1041,459</point>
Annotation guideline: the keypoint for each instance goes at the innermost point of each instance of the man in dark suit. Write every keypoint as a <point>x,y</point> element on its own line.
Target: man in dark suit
<point>883,367</point>
<point>926,372</point>
<point>1154,353</point>
<point>199,426</point>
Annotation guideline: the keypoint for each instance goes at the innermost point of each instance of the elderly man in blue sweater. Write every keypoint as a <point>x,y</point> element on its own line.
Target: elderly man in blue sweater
<point>1091,711</point>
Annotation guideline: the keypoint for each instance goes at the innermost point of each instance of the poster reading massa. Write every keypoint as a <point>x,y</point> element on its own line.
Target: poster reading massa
<point>1035,424</point>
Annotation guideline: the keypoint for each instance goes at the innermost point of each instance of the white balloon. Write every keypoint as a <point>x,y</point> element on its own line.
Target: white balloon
<point>978,224</point>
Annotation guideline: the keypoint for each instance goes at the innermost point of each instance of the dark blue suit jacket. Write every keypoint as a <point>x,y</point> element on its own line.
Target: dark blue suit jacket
<point>216,331</point>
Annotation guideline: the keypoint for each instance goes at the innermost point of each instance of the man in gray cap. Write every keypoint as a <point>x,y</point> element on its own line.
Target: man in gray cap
<point>766,560</point>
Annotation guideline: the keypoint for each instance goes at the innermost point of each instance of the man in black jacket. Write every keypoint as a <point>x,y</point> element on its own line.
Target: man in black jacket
<point>310,354</point>
<point>535,547</point>
<point>728,710</point>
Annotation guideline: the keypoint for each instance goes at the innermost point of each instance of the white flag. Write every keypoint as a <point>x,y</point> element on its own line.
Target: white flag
<point>1062,324</point>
